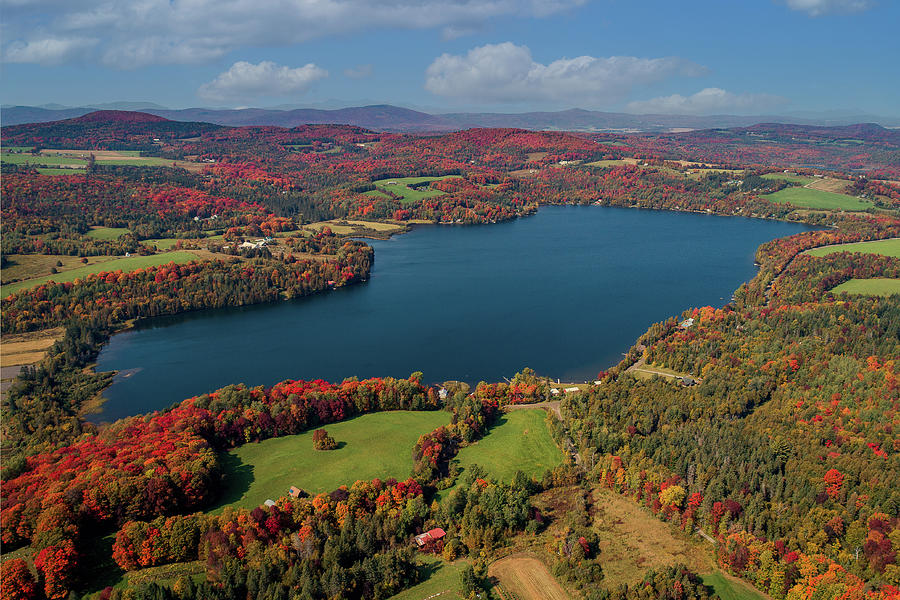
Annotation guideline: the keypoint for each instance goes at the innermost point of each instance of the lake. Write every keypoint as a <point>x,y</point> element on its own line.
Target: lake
<point>564,292</point>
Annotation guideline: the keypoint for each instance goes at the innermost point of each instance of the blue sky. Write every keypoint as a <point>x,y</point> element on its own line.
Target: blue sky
<point>700,57</point>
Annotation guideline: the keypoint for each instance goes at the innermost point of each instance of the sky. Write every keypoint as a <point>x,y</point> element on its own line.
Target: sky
<point>643,56</point>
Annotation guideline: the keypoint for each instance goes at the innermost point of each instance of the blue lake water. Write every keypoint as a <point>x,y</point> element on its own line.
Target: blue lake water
<point>564,292</point>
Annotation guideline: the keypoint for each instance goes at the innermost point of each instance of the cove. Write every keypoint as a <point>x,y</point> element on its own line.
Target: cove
<point>565,292</point>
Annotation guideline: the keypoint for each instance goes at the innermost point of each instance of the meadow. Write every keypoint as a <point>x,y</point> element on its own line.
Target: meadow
<point>809,198</point>
<point>801,179</point>
<point>518,441</point>
<point>408,195</point>
<point>107,233</point>
<point>125,264</point>
<point>440,578</point>
<point>890,247</point>
<point>369,446</point>
<point>869,287</point>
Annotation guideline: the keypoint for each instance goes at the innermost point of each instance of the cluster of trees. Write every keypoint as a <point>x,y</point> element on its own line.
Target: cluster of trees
<point>787,448</point>
<point>166,464</point>
<point>112,298</point>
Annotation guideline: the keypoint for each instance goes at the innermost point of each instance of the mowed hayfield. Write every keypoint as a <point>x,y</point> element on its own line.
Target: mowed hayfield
<point>124,264</point>
<point>408,195</point>
<point>369,446</point>
<point>809,198</point>
<point>869,287</point>
<point>27,348</point>
<point>519,441</point>
<point>890,247</point>
<point>439,578</point>
<point>525,577</point>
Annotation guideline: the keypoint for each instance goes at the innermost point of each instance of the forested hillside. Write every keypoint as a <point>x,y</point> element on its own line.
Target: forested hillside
<point>778,439</point>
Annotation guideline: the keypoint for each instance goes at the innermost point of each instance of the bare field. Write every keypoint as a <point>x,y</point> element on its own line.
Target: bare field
<point>837,186</point>
<point>524,577</point>
<point>27,348</point>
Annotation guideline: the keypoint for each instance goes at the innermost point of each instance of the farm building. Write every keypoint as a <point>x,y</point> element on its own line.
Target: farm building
<point>431,535</point>
<point>270,503</point>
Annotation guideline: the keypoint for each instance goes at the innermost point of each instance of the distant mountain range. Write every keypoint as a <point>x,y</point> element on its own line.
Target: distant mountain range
<point>385,117</point>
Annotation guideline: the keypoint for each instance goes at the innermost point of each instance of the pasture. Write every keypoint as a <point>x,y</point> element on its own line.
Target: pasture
<point>28,348</point>
<point>28,266</point>
<point>408,195</point>
<point>810,198</point>
<point>125,264</point>
<point>889,247</point>
<point>439,578</point>
<point>801,179</point>
<point>107,233</point>
<point>869,287</point>
<point>518,441</point>
<point>369,446</point>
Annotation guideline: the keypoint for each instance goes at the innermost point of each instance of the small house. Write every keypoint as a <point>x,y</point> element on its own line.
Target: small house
<point>269,503</point>
<point>295,492</point>
<point>687,323</point>
<point>570,390</point>
<point>431,535</point>
<point>687,380</point>
<point>554,391</point>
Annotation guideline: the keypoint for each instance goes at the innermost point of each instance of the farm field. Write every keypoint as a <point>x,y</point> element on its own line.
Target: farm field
<point>801,179</point>
<point>809,198</point>
<point>525,577</point>
<point>107,233</point>
<point>28,348</point>
<point>869,287</point>
<point>443,579</point>
<point>28,266</point>
<point>408,195</point>
<point>520,440</point>
<point>369,446</point>
<point>890,247</point>
<point>130,263</point>
<point>77,159</point>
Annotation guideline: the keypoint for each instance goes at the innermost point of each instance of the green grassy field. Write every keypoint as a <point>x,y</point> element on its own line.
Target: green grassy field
<point>807,198</point>
<point>400,186</point>
<point>869,287</point>
<point>889,247</point>
<point>801,179</point>
<point>728,589</point>
<point>370,446</point>
<point>440,577</point>
<point>132,263</point>
<point>28,158</point>
<point>107,233</point>
<point>60,171</point>
<point>519,441</point>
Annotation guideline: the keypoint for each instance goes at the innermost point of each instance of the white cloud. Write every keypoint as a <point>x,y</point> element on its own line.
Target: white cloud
<point>817,8</point>
<point>47,50</point>
<point>134,33</point>
<point>245,81</point>
<point>705,102</point>
<point>507,73</point>
<point>359,72</point>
